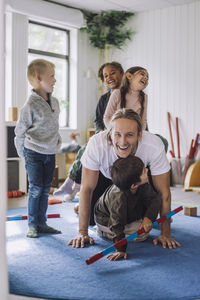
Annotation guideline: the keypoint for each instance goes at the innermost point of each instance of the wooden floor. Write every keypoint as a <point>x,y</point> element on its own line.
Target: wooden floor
<point>17,202</point>
<point>179,197</point>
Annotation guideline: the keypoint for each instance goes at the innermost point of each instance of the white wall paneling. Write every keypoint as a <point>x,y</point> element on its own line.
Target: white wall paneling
<point>87,83</point>
<point>16,59</point>
<point>167,42</point>
<point>3,173</point>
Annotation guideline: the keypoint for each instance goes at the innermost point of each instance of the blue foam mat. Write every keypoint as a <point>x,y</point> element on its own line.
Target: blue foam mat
<point>47,268</point>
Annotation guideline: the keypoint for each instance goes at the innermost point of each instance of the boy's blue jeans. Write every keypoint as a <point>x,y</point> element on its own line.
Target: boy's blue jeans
<point>40,170</point>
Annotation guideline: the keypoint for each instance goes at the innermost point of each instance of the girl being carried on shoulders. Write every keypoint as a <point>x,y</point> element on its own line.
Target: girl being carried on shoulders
<point>130,95</point>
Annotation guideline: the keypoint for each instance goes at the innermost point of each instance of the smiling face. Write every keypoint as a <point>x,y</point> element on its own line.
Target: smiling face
<point>139,80</point>
<point>125,137</point>
<point>47,80</point>
<point>112,77</point>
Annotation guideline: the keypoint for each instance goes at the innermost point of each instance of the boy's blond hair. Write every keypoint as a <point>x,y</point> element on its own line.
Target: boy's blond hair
<point>38,66</point>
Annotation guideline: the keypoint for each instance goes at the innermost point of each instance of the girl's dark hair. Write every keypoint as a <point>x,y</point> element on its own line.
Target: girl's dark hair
<point>126,171</point>
<point>114,64</point>
<point>125,86</point>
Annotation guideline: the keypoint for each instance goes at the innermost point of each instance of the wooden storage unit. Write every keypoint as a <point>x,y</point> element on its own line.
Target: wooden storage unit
<point>90,132</point>
<point>70,158</point>
<point>15,162</point>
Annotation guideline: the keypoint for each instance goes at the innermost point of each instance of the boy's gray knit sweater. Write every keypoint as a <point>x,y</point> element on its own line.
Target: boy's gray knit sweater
<point>38,128</point>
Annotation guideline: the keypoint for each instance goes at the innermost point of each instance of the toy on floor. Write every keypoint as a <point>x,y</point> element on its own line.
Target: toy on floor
<point>192,178</point>
<point>192,183</point>
<point>54,201</point>
<point>129,238</point>
<point>16,218</point>
<point>15,194</point>
<point>190,211</point>
<point>70,196</point>
<point>76,208</point>
<point>76,198</point>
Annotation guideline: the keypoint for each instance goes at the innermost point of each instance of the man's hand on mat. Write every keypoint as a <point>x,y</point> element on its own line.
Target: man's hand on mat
<point>117,255</point>
<point>81,240</point>
<point>166,241</point>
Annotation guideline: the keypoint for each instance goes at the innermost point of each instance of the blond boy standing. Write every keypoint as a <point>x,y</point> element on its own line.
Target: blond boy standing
<point>37,140</point>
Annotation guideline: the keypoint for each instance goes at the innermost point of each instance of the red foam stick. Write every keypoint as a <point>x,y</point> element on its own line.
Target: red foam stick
<point>53,216</point>
<point>129,238</point>
<point>194,149</point>
<point>120,243</point>
<point>191,149</point>
<point>161,219</point>
<point>178,139</point>
<point>170,133</point>
<point>94,258</point>
<point>141,231</point>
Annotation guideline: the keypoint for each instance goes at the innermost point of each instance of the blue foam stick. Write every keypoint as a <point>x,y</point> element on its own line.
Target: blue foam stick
<point>16,218</point>
<point>131,237</point>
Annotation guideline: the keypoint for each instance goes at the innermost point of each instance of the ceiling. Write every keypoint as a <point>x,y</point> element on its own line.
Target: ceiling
<point>128,5</point>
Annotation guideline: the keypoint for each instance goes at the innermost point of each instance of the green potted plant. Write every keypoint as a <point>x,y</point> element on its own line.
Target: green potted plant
<point>107,29</point>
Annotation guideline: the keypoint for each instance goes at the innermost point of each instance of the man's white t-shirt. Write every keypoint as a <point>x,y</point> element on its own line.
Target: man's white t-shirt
<point>99,154</point>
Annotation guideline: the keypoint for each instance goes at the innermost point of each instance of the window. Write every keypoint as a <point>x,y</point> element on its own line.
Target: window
<point>52,43</point>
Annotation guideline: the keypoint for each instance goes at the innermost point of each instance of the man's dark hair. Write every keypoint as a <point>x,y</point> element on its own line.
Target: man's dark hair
<point>126,171</point>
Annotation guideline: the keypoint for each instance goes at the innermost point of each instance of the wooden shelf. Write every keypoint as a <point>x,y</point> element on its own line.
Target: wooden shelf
<point>90,132</point>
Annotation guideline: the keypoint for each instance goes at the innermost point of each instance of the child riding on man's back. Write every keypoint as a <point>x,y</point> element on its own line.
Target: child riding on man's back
<point>129,204</point>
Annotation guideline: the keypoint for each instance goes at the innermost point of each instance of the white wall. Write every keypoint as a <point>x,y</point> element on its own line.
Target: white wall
<point>16,60</point>
<point>3,264</point>
<point>87,85</point>
<point>167,43</point>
